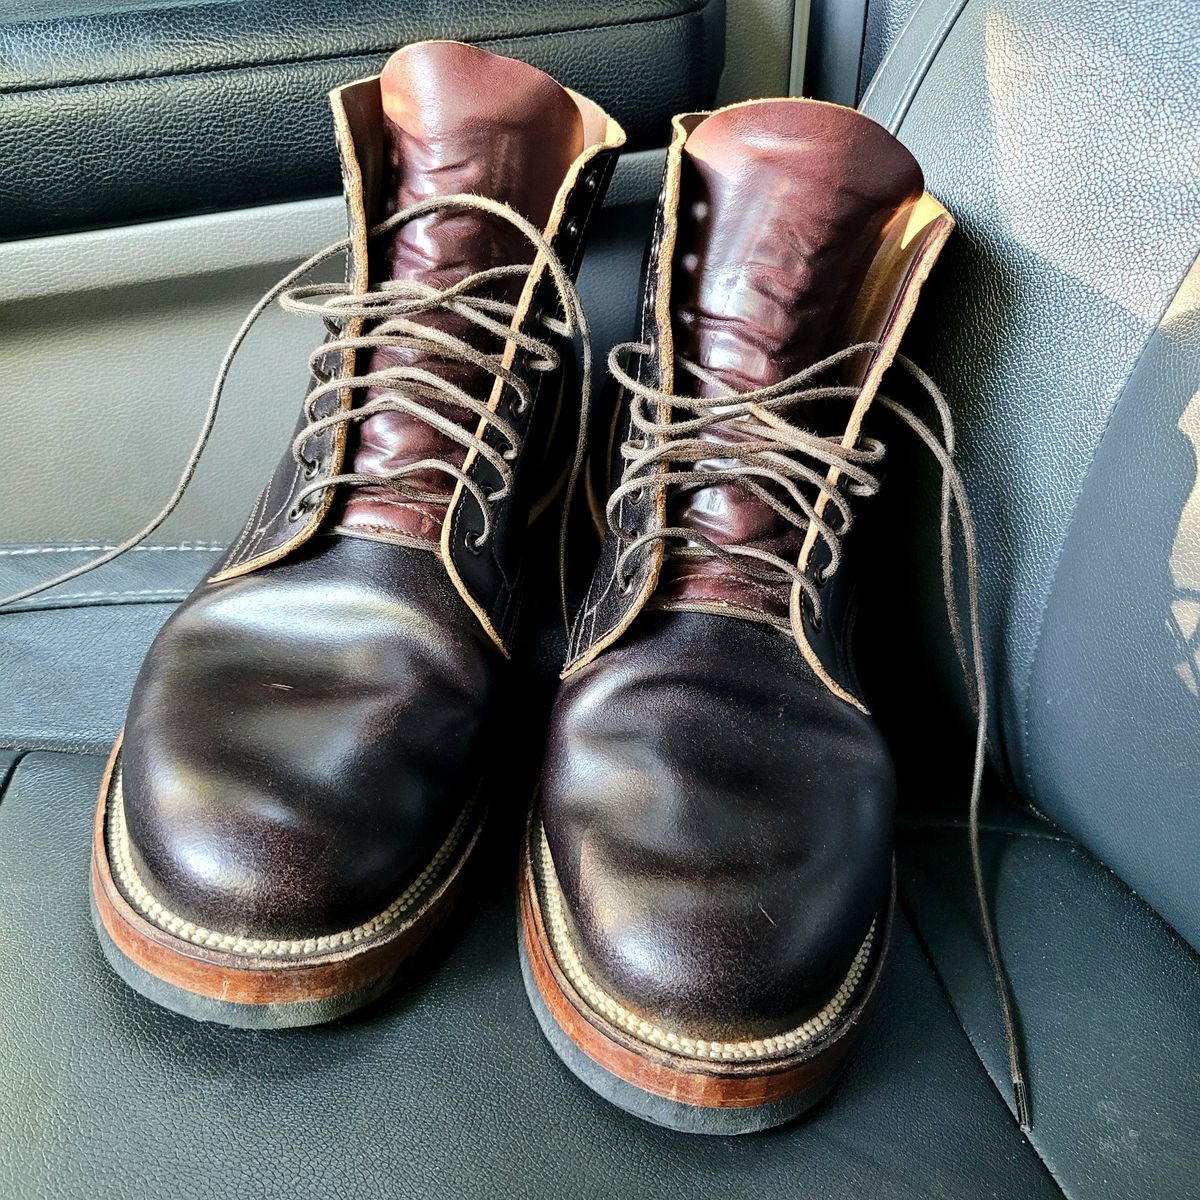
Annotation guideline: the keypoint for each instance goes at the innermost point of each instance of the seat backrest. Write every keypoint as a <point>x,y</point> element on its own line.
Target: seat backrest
<point>1064,324</point>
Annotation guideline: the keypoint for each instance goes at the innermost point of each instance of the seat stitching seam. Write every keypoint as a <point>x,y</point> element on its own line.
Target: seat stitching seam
<point>21,551</point>
<point>175,591</point>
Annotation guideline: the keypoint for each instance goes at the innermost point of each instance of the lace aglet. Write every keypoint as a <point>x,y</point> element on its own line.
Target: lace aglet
<point>1021,1096</point>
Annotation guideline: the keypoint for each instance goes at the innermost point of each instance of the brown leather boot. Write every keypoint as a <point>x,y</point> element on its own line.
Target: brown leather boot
<point>707,890</point>
<point>300,778</point>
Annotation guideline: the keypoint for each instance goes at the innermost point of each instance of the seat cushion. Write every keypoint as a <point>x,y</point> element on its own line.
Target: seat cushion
<point>68,657</point>
<point>1108,998</point>
<point>443,1088</point>
<point>450,1080</point>
<point>1063,322</point>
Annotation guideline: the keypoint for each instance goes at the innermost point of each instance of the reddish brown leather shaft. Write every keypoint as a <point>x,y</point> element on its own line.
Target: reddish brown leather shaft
<point>782,209</point>
<point>456,119</point>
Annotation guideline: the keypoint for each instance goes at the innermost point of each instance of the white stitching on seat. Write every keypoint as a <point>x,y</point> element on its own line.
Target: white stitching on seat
<point>37,602</point>
<point>121,863</point>
<point>16,552</point>
<point>778,1046</point>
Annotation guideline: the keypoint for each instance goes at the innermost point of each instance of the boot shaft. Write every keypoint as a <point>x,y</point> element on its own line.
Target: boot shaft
<point>455,119</point>
<point>443,118</point>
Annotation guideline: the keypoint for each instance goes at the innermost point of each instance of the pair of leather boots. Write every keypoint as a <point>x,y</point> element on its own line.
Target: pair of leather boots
<point>706,881</point>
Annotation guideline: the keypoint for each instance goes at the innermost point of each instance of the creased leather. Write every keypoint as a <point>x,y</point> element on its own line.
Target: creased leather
<point>300,740</point>
<point>455,119</point>
<point>897,251</point>
<point>721,826</point>
<point>312,721</point>
<point>762,290</point>
<point>448,1091</point>
<point>488,580</point>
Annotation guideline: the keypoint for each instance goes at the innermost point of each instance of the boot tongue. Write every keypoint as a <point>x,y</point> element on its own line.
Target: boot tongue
<point>456,119</point>
<point>783,206</point>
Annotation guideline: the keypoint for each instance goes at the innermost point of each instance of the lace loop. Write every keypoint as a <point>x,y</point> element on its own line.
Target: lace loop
<point>764,460</point>
<point>393,309</point>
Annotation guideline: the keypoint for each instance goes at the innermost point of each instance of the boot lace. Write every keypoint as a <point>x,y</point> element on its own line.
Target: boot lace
<point>765,458</point>
<point>776,461</point>
<point>393,306</point>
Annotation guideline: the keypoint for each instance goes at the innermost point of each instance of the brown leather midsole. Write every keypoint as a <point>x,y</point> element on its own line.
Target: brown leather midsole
<point>686,1080</point>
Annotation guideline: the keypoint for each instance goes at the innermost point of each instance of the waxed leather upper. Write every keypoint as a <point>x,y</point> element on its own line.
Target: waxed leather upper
<point>763,289</point>
<point>302,737</point>
<point>793,211</point>
<point>301,740</point>
<point>720,823</point>
<point>719,819</point>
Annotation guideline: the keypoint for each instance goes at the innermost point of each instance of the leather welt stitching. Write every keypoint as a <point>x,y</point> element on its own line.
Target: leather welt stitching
<point>121,863</point>
<point>777,1046</point>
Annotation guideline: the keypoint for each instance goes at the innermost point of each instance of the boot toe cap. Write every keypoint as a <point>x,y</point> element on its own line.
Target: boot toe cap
<point>299,747</point>
<point>719,827</point>
<point>737,961</point>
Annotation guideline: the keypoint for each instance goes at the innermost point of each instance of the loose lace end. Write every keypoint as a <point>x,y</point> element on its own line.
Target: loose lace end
<point>768,456</point>
<point>1021,1096</point>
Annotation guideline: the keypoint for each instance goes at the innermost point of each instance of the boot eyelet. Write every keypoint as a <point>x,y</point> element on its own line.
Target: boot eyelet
<point>572,228</point>
<point>473,542</point>
<point>624,587</point>
<point>815,620</point>
<point>591,181</point>
<point>297,512</point>
<point>311,467</point>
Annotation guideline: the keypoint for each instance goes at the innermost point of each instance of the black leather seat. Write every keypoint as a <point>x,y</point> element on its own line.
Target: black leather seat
<point>121,113</point>
<point>1063,325</point>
